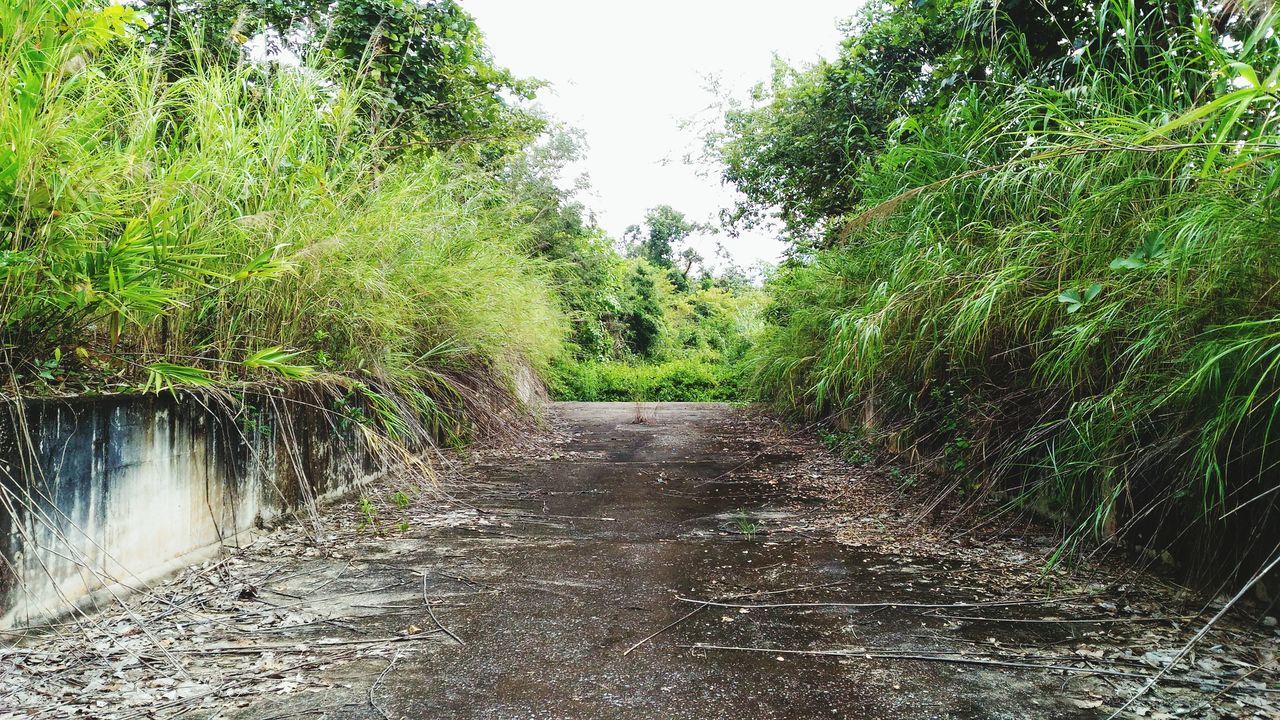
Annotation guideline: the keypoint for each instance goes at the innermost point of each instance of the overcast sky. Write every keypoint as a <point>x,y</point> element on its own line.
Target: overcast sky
<point>628,73</point>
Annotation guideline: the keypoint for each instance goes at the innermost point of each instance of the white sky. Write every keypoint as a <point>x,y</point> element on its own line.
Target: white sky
<point>628,73</point>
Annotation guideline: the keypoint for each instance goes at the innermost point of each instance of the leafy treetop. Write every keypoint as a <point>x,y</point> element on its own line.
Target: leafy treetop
<point>438,84</point>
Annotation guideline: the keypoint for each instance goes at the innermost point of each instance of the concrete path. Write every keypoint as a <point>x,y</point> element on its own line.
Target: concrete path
<point>584,555</point>
<point>566,574</point>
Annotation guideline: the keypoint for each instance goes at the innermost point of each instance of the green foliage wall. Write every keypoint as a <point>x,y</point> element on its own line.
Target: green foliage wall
<point>246,222</point>
<point>429,78</point>
<point>1058,279</point>
<point>674,345</point>
<point>688,379</point>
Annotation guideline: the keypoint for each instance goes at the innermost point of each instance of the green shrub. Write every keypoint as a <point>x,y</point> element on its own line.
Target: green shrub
<point>1064,282</point>
<point>682,380</point>
<point>183,228</point>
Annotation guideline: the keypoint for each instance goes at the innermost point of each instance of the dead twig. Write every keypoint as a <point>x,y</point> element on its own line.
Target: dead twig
<point>962,660</point>
<point>1050,621</point>
<point>666,627</point>
<point>432,613</point>
<point>444,629</point>
<point>331,580</point>
<point>1198,636</point>
<point>698,609</point>
<point>373,688</point>
<point>909,606</point>
<point>297,646</point>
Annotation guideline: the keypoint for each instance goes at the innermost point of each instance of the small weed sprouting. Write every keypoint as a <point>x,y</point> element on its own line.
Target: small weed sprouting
<point>254,421</point>
<point>850,446</point>
<point>745,525</point>
<point>367,512</point>
<point>49,369</point>
<point>400,499</point>
<point>955,452</point>
<point>403,526</point>
<point>645,413</point>
<point>904,480</point>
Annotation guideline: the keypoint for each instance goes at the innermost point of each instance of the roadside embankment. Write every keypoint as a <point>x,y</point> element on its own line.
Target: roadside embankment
<point>104,494</point>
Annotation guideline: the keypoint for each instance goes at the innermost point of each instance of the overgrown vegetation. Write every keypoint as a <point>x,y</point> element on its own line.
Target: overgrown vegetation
<point>171,218</point>
<point>681,380</point>
<point>183,206</point>
<point>1039,238</point>
<point>1035,239</point>
<point>654,323</point>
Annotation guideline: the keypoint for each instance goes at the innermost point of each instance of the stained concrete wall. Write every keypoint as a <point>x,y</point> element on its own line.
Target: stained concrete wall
<point>101,494</point>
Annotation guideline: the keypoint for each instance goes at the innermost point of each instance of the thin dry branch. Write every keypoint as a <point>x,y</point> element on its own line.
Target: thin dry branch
<point>885,654</point>
<point>904,605</point>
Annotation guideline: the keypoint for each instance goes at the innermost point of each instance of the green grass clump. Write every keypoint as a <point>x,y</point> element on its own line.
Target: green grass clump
<point>687,379</point>
<point>252,222</point>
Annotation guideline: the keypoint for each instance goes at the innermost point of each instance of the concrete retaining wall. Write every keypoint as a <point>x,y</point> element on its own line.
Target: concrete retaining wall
<point>99,494</point>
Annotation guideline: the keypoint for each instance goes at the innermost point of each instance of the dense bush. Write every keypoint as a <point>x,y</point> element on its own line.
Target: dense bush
<point>670,345</point>
<point>165,228</point>
<point>1060,280</point>
<point>687,379</point>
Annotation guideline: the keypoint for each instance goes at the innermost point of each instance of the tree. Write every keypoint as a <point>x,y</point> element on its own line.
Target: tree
<point>661,241</point>
<point>664,228</point>
<point>688,259</point>
<point>583,259</point>
<point>642,319</point>
<point>797,149</point>
<point>435,80</point>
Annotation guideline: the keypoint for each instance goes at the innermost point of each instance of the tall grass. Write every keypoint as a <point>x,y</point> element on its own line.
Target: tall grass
<point>160,228</point>
<point>1071,288</point>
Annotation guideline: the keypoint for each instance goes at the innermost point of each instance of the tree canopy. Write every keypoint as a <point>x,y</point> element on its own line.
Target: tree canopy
<point>437,83</point>
<point>796,149</point>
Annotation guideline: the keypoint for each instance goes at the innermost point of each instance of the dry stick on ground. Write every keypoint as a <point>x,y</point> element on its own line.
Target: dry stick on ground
<point>432,613</point>
<point>1151,683</point>
<point>924,657</point>
<point>1209,703</point>
<point>1048,621</point>
<point>294,646</point>
<point>446,630</point>
<point>698,609</point>
<point>304,601</point>
<point>331,580</point>
<point>666,627</point>
<point>309,711</point>
<point>376,682</point>
<point>909,606</point>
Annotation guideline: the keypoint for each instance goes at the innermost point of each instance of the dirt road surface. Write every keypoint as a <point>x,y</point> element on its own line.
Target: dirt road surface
<point>569,579</point>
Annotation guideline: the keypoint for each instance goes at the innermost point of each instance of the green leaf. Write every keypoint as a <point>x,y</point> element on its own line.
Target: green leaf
<point>1248,73</point>
<point>264,266</point>
<point>1246,95</point>
<point>167,376</point>
<point>275,358</point>
<point>1129,263</point>
<point>1074,300</point>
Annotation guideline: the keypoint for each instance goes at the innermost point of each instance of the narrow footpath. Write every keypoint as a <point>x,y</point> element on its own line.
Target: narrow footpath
<point>661,561</point>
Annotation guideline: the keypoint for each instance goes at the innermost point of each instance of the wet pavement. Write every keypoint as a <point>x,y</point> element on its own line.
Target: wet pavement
<point>674,561</point>
<point>581,555</point>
